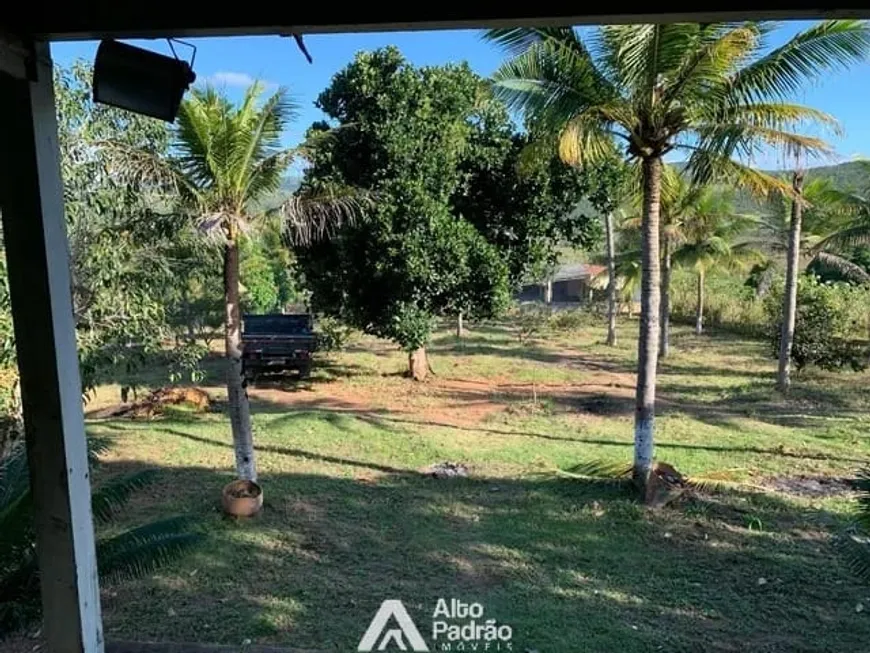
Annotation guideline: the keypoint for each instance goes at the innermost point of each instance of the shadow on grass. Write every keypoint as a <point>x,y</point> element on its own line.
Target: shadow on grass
<point>569,565</point>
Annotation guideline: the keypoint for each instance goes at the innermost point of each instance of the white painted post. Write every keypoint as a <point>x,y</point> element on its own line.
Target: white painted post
<point>34,230</point>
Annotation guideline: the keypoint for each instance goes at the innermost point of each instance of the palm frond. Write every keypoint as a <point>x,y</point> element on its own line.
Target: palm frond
<point>584,143</point>
<point>705,166</point>
<point>855,550</point>
<point>857,233</point>
<point>851,271</point>
<point>139,551</point>
<point>825,47</point>
<point>112,495</point>
<point>604,470</point>
<point>308,218</point>
<point>553,79</point>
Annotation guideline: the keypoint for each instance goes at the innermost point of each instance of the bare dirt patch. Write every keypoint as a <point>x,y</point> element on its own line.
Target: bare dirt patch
<point>810,486</point>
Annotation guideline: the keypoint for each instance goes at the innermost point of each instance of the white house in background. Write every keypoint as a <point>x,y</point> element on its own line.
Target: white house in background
<point>570,284</point>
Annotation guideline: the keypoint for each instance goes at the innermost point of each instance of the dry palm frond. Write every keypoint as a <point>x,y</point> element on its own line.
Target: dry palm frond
<point>309,218</point>
<point>602,470</point>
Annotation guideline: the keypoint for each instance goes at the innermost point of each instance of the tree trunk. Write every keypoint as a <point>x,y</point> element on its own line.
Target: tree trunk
<point>665,339</point>
<point>789,302</point>
<point>548,292</point>
<point>459,331</point>
<point>237,395</point>
<point>648,338</point>
<point>699,310</point>
<point>418,364</point>
<point>611,281</point>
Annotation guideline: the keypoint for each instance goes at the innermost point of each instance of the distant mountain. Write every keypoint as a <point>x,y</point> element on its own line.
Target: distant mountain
<point>289,186</point>
<point>851,175</point>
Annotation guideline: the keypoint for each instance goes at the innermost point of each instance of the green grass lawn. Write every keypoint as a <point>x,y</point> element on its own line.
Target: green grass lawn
<point>572,566</point>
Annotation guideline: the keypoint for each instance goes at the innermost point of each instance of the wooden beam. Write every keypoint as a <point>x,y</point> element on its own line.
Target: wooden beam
<point>34,230</point>
<point>94,19</point>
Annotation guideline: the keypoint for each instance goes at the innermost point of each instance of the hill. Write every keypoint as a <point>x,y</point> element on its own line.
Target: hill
<point>851,175</point>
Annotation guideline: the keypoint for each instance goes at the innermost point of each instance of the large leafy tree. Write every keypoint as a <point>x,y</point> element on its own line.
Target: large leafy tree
<point>715,91</point>
<point>225,160</point>
<point>404,134</point>
<point>521,197</point>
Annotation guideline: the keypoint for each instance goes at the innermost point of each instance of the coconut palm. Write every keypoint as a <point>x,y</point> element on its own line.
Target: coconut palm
<point>714,91</point>
<point>227,160</point>
<point>708,238</point>
<point>678,201</point>
<point>811,227</point>
<point>846,229</point>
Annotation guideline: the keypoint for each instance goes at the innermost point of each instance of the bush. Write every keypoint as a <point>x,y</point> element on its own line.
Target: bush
<point>331,335</point>
<point>572,320</point>
<point>729,304</point>
<point>530,320</point>
<point>830,317</point>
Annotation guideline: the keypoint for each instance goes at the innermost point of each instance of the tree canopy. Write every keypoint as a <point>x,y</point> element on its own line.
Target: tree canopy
<point>402,133</point>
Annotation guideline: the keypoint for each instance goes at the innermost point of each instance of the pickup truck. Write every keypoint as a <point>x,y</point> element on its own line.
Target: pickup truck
<point>277,343</point>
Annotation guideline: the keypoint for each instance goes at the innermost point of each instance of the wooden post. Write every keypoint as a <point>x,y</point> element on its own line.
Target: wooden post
<point>34,230</point>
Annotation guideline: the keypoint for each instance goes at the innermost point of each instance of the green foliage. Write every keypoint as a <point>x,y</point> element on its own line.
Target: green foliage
<point>260,294</point>
<point>570,321</point>
<point>403,133</point>
<point>730,304</point>
<point>331,334</point>
<point>185,362</point>
<point>131,553</point>
<point>530,320</point>
<point>123,240</point>
<point>521,197</point>
<point>828,318</point>
<point>854,546</point>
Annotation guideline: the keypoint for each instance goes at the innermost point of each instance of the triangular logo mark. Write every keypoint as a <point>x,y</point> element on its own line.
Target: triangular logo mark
<point>406,634</point>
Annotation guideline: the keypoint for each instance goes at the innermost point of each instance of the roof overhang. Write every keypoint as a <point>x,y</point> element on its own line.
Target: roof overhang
<point>103,19</point>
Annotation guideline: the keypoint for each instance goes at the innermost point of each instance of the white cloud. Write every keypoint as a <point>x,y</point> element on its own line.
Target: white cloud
<point>234,79</point>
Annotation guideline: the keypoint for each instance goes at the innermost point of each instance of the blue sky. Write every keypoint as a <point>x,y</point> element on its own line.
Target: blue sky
<point>235,62</point>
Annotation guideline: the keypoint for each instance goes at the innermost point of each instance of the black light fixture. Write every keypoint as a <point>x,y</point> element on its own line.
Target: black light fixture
<point>139,80</point>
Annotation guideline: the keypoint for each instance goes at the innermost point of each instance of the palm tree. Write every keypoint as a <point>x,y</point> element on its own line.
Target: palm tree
<point>715,91</point>
<point>847,227</point>
<point>226,161</point>
<point>129,553</point>
<point>809,226</point>
<point>708,239</point>
<point>678,201</point>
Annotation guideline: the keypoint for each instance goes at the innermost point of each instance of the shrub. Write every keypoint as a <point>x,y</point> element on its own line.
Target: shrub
<point>530,319</point>
<point>331,334</point>
<point>829,319</point>
<point>571,320</point>
<point>730,305</point>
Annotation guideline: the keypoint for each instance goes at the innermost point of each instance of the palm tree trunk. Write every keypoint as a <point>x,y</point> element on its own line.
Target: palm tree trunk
<point>648,339</point>
<point>240,410</point>
<point>699,311</point>
<point>459,324</point>
<point>789,306</point>
<point>611,281</point>
<point>665,340</point>
<point>418,364</point>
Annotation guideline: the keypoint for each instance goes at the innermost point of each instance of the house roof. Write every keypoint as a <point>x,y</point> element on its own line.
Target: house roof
<point>577,271</point>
